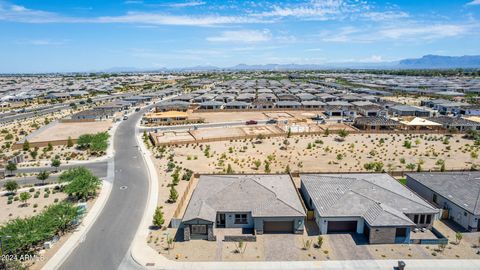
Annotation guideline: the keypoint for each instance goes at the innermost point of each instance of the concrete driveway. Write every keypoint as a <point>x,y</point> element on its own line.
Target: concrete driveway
<point>280,247</point>
<point>345,247</point>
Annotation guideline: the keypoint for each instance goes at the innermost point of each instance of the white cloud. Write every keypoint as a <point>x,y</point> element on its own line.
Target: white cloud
<point>186,4</point>
<point>21,14</point>
<point>473,3</point>
<point>410,32</point>
<point>384,16</point>
<point>317,10</point>
<point>428,32</point>
<point>44,42</point>
<point>245,36</point>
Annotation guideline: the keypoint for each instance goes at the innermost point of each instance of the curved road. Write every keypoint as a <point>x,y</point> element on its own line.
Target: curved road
<point>109,239</point>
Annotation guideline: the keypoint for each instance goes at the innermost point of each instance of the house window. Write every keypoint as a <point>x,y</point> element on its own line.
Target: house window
<point>241,219</point>
<point>435,198</point>
<point>415,219</point>
<point>422,219</point>
<point>429,219</point>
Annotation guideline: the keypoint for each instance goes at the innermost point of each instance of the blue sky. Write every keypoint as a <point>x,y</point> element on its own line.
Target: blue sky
<point>74,35</point>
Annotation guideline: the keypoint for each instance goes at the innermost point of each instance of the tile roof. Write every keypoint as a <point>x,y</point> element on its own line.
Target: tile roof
<point>378,198</point>
<point>262,195</point>
<point>462,188</point>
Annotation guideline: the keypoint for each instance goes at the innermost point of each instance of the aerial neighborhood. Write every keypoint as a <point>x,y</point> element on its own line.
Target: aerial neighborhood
<point>259,166</point>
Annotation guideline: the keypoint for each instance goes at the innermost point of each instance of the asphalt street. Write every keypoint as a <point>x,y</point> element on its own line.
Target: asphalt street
<point>109,239</point>
<point>98,168</point>
<point>11,116</point>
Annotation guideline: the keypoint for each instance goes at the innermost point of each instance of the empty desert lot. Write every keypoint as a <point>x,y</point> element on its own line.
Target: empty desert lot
<point>61,131</point>
<point>318,153</point>
<point>230,116</point>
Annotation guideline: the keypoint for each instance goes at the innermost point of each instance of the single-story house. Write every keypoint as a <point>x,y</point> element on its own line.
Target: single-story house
<point>58,95</point>
<point>312,104</point>
<point>371,110</point>
<point>406,110</point>
<point>289,104</point>
<point>337,110</point>
<point>457,193</point>
<point>374,204</point>
<point>211,105</point>
<point>375,123</point>
<point>458,123</point>
<point>93,115</point>
<point>237,105</point>
<point>263,104</point>
<point>168,117</point>
<point>264,203</point>
<point>472,110</point>
<point>172,106</point>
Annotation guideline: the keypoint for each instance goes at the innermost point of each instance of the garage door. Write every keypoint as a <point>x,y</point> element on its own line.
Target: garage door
<point>278,227</point>
<point>342,226</point>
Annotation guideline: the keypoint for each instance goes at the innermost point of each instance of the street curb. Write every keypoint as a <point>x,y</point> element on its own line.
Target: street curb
<point>138,245</point>
<point>79,236</point>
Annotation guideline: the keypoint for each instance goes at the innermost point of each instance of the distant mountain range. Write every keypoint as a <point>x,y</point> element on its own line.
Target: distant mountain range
<point>437,61</point>
<point>425,62</point>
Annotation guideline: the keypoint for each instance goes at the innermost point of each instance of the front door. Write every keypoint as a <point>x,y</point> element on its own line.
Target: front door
<point>221,220</point>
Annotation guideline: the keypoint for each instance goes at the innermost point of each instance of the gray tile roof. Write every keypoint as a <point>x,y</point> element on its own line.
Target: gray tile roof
<point>462,188</point>
<point>378,198</point>
<point>262,195</point>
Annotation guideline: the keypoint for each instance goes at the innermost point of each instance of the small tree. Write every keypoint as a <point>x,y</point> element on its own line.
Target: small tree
<point>343,133</point>
<point>458,237</point>
<point>24,196</point>
<point>49,147</point>
<point>326,132</point>
<point>307,244</point>
<point>267,166</point>
<point>411,166</point>
<point>419,167</point>
<point>11,186</point>
<point>289,132</point>
<point>11,167</point>
<point>56,163</point>
<point>287,169</point>
<point>170,242</point>
<point>34,154</point>
<point>26,145</point>
<point>257,164</point>
<point>42,176</point>
<point>69,142</point>
<point>319,241</point>
<point>158,219</point>
<point>229,169</point>
<point>173,194</point>
<point>241,247</point>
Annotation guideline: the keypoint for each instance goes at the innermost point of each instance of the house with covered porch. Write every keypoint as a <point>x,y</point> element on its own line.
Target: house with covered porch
<point>263,203</point>
<point>373,204</point>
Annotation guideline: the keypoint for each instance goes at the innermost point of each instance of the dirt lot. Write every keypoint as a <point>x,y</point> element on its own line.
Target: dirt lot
<point>217,117</point>
<point>240,132</point>
<point>61,131</point>
<point>326,154</point>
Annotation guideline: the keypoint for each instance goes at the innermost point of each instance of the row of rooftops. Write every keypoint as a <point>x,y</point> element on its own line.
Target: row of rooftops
<point>378,198</point>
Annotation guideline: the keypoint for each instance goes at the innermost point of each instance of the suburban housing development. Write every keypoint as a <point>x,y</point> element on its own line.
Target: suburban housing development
<point>260,166</point>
